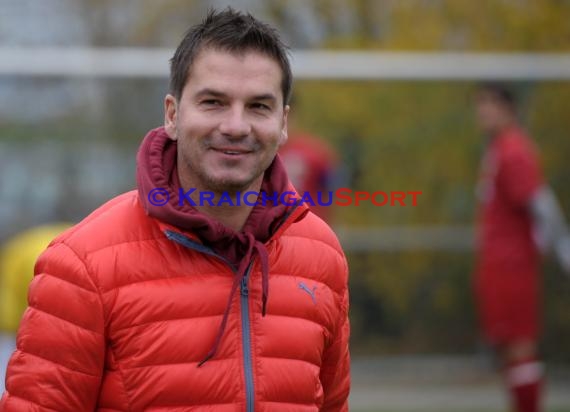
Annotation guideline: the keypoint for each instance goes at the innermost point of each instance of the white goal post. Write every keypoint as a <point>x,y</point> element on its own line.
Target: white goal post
<point>318,64</point>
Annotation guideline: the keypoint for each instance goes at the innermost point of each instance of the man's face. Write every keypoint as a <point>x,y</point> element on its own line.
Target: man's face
<point>492,115</point>
<point>230,120</point>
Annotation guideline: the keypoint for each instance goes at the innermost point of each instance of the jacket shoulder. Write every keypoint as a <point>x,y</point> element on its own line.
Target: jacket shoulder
<point>120,220</point>
<point>313,228</point>
<point>311,248</point>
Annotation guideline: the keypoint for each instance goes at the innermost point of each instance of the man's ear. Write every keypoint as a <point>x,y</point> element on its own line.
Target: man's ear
<point>284,131</point>
<point>170,116</point>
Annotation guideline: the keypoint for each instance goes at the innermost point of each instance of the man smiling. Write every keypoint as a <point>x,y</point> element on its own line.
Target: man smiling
<point>147,307</point>
<point>229,120</point>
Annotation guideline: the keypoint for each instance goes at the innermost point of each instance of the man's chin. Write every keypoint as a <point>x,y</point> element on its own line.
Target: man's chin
<point>230,185</point>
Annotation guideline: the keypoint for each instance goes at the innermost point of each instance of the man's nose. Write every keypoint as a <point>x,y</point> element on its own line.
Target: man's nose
<point>235,123</point>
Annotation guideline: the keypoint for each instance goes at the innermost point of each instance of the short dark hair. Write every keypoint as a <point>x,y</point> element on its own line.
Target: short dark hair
<point>500,92</point>
<point>232,31</point>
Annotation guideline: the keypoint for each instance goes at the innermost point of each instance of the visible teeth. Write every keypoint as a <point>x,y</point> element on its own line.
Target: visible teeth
<point>231,153</point>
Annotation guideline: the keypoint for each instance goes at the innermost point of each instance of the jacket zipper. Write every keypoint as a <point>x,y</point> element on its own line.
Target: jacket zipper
<point>246,342</point>
<point>244,305</point>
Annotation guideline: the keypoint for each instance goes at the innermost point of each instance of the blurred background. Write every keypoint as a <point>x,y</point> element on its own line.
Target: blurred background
<point>81,82</point>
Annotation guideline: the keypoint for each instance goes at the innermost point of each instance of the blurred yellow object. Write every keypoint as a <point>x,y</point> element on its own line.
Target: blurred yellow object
<point>17,259</point>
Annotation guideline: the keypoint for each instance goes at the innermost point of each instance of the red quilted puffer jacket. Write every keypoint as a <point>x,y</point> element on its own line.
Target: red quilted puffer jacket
<point>124,307</point>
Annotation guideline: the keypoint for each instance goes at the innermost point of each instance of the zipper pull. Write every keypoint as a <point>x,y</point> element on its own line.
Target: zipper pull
<point>244,288</point>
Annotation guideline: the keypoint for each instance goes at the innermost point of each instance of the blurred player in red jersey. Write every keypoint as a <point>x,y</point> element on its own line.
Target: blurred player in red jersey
<point>518,217</point>
<point>311,165</point>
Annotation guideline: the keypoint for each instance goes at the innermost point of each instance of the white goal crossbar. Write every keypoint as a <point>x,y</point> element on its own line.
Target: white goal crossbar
<point>337,65</point>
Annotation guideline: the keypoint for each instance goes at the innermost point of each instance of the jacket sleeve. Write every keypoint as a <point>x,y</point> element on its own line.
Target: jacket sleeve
<point>60,346</point>
<point>335,371</point>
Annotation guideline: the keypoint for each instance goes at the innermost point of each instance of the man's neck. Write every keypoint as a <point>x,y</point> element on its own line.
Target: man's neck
<point>226,207</point>
<point>233,217</point>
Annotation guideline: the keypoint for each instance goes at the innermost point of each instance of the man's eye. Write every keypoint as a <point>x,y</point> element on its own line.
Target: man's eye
<point>211,102</point>
<point>260,106</point>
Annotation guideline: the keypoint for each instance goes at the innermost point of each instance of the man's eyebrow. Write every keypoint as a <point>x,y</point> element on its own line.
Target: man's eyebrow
<point>210,92</point>
<point>266,96</point>
<point>270,97</point>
